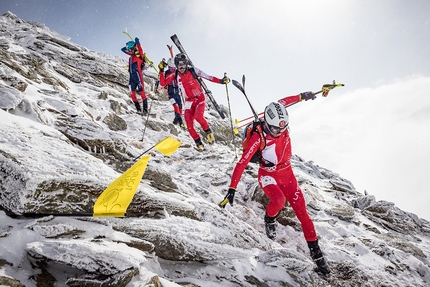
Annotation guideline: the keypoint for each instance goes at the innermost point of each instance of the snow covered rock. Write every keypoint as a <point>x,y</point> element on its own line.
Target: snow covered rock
<point>68,129</point>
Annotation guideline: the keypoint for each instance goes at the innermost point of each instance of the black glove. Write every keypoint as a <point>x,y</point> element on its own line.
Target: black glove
<point>307,96</point>
<point>225,80</point>
<point>228,198</point>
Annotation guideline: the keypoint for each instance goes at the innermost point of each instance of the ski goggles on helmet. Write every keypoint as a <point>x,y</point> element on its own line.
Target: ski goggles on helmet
<point>276,131</point>
<point>181,65</point>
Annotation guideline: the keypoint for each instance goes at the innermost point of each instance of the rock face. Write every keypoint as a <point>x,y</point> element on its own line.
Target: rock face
<point>68,129</point>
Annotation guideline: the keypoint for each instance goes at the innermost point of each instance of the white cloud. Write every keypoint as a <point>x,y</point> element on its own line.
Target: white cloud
<point>377,138</point>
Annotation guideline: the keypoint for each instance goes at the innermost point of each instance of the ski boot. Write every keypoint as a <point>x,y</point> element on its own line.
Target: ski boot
<point>270,226</point>
<point>138,109</point>
<point>181,124</point>
<point>199,145</point>
<point>318,257</point>
<point>177,119</point>
<point>210,136</point>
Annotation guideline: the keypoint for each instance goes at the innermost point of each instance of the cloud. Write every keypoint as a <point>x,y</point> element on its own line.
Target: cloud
<point>376,137</point>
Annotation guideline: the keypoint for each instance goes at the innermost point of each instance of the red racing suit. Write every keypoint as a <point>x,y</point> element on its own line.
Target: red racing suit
<point>276,177</point>
<point>290,100</point>
<point>195,100</point>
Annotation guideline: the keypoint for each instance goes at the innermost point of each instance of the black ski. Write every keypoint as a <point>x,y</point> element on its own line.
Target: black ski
<point>242,89</point>
<point>208,93</point>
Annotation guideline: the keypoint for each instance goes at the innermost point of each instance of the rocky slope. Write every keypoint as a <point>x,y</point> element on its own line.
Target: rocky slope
<point>68,129</point>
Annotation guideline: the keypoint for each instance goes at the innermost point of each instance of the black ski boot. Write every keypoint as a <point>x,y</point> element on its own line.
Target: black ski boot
<point>270,226</point>
<point>145,107</point>
<point>181,124</point>
<point>177,119</point>
<point>199,145</point>
<point>138,109</point>
<point>318,257</point>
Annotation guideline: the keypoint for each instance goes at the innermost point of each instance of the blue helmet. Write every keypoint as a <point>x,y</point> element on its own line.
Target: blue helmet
<point>130,45</point>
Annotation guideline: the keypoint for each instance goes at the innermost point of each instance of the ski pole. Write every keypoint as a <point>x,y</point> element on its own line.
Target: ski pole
<point>147,118</point>
<point>223,203</point>
<point>144,152</point>
<point>326,88</point>
<point>231,119</point>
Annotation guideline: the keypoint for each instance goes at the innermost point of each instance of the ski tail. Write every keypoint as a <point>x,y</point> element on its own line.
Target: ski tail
<point>170,50</point>
<point>240,87</point>
<point>208,93</point>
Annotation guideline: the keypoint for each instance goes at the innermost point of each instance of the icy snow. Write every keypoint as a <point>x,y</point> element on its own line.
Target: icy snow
<point>94,245</point>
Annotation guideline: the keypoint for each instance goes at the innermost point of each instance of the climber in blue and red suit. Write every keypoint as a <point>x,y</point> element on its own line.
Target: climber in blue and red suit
<point>135,64</point>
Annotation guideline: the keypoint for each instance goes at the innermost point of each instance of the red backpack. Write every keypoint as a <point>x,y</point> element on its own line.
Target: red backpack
<point>248,132</point>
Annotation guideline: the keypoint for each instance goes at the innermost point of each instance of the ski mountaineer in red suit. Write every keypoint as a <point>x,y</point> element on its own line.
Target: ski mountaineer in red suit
<point>136,82</point>
<point>192,92</point>
<point>275,175</point>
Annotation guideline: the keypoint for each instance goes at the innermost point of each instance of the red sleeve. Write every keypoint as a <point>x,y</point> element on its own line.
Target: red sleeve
<point>288,101</point>
<point>166,80</point>
<point>202,74</point>
<point>139,67</point>
<point>251,149</point>
<point>141,53</point>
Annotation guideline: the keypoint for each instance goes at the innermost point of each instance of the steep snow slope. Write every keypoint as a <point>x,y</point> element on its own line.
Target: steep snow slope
<point>68,129</point>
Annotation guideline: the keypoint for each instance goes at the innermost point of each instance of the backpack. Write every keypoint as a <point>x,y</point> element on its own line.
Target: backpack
<point>246,136</point>
<point>191,69</point>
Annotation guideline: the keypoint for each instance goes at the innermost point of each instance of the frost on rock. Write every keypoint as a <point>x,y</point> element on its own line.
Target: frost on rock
<point>73,130</point>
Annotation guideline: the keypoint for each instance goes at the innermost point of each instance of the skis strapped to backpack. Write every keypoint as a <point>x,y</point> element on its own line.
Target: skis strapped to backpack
<point>208,93</point>
<point>145,58</point>
<point>251,128</point>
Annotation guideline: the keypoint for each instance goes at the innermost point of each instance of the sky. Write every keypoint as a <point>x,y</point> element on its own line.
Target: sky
<point>373,131</point>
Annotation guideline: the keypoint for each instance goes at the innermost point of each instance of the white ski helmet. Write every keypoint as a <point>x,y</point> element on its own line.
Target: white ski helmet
<point>276,119</point>
<point>171,63</point>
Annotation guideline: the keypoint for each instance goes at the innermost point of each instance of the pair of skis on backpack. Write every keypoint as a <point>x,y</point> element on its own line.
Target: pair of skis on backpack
<point>237,124</point>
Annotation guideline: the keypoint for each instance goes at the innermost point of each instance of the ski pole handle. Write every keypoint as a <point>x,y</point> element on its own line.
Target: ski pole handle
<point>223,203</point>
